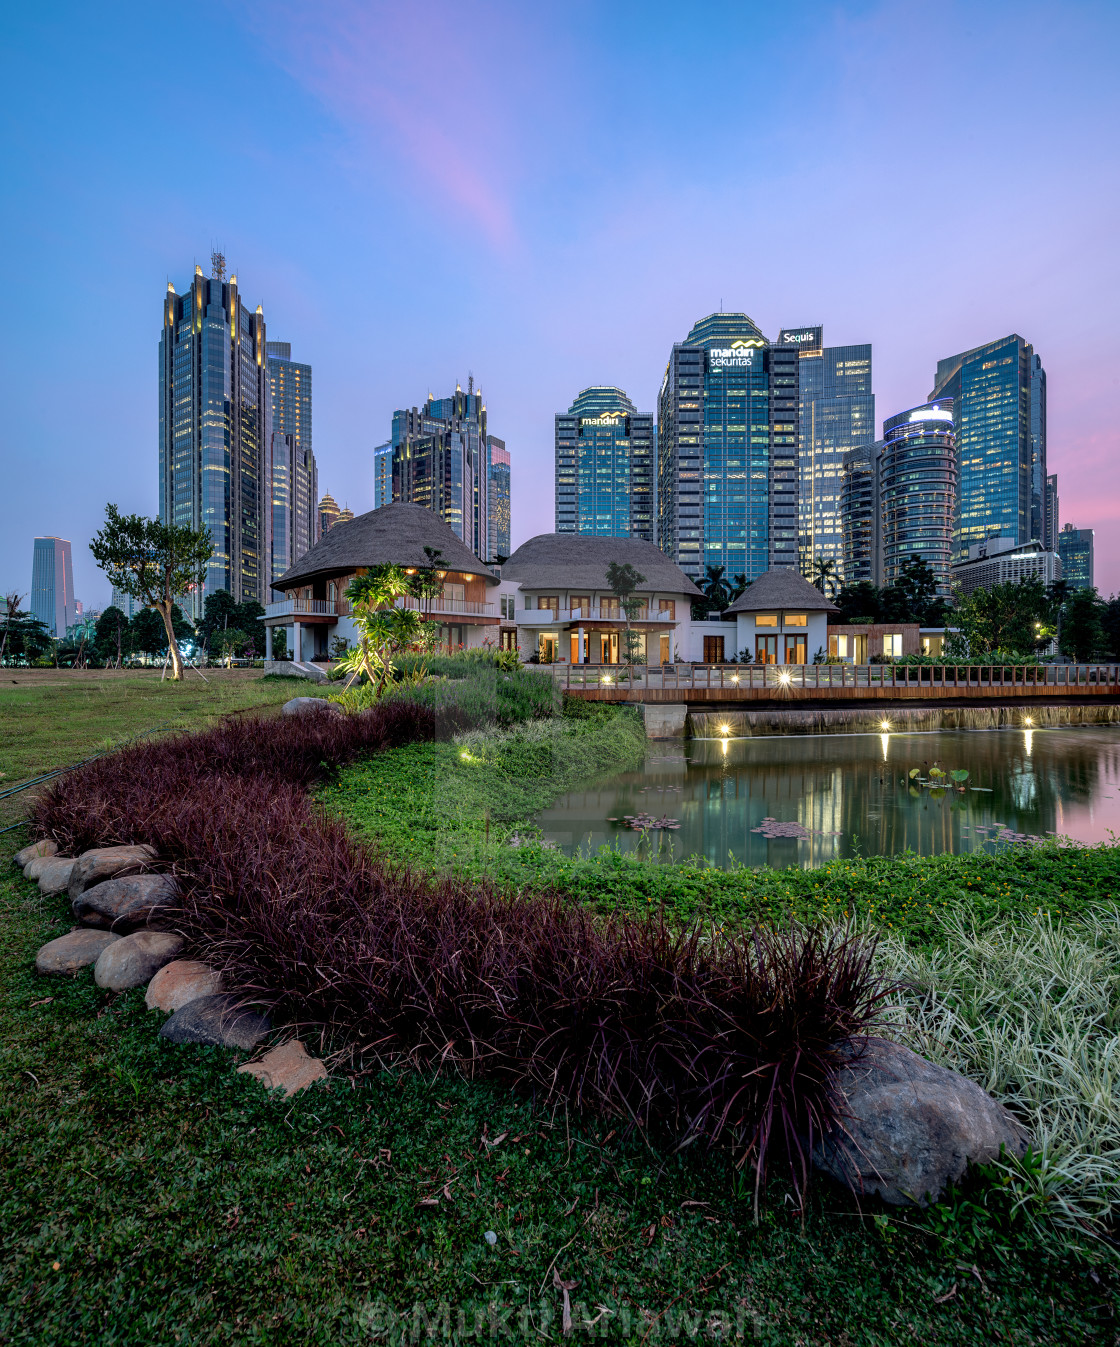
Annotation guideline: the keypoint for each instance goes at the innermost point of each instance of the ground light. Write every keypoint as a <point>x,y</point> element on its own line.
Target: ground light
<point>884,724</point>
<point>1028,721</point>
<point>784,678</point>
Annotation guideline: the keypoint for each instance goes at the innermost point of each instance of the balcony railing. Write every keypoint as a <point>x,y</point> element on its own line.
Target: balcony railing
<point>588,613</point>
<point>308,608</point>
<point>440,606</point>
<point>732,677</point>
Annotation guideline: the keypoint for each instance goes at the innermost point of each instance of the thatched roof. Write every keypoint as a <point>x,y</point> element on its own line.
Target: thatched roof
<point>781,589</point>
<point>575,561</point>
<point>395,534</point>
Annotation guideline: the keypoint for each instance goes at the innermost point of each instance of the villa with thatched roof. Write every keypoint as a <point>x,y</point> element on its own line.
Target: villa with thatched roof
<point>781,619</point>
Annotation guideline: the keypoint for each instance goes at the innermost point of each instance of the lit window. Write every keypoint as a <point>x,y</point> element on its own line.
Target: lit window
<point>796,620</point>
<point>766,619</point>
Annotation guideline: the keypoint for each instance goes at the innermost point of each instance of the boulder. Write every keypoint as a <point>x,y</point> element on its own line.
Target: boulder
<point>302,706</point>
<point>179,983</point>
<point>135,959</point>
<point>37,864</point>
<point>74,951</point>
<point>53,873</point>
<point>912,1127</point>
<point>126,904</point>
<point>221,1020</point>
<point>287,1068</point>
<point>107,863</point>
<point>37,849</point>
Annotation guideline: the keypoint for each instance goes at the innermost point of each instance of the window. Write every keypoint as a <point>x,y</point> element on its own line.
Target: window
<point>455,592</point>
<point>581,605</point>
<point>796,620</point>
<point>892,645</point>
<point>666,653</point>
<point>667,609</point>
<point>838,647</point>
<point>608,608</point>
<point>547,649</point>
<point>550,601</point>
<point>332,592</point>
<point>766,619</point>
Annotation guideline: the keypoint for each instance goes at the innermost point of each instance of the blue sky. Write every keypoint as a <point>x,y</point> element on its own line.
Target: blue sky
<point>547,196</point>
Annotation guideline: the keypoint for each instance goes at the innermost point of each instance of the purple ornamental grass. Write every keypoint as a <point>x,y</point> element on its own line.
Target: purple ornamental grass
<point>704,1035</point>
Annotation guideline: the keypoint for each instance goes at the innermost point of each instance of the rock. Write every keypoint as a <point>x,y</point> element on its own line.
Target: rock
<point>37,849</point>
<point>126,904</point>
<point>221,1020</point>
<point>74,951</point>
<point>179,983</point>
<point>913,1127</point>
<point>286,1068</point>
<point>135,959</point>
<point>53,873</point>
<point>107,863</point>
<point>37,864</point>
<point>302,706</point>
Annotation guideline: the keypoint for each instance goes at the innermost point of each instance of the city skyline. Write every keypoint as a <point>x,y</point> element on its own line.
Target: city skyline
<point>384,296</point>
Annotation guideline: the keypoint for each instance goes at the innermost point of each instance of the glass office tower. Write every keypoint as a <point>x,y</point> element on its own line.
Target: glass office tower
<point>498,505</point>
<point>860,514</point>
<point>215,420</point>
<point>918,490</point>
<point>727,426</point>
<point>290,385</point>
<point>1075,547</point>
<point>293,522</point>
<point>999,409</point>
<point>1050,537</point>
<point>837,414</point>
<point>52,585</point>
<point>382,474</point>
<point>441,460</point>
<point>604,466</point>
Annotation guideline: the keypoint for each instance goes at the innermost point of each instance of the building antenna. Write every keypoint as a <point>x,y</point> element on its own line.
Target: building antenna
<point>470,382</point>
<point>217,264</point>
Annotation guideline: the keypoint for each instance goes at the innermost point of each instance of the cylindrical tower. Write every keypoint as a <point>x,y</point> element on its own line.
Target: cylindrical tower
<point>918,490</point>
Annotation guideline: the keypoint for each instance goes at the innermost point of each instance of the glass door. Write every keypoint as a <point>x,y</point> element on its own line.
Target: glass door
<point>766,649</point>
<point>795,650</point>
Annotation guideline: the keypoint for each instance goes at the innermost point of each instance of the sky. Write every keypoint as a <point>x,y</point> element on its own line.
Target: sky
<point>545,196</point>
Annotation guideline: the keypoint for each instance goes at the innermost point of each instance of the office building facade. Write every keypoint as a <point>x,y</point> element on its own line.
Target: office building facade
<point>1050,537</point>
<point>293,525</point>
<point>441,459</point>
<point>604,455</point>
<point>52,585</point>
<point>498,505</point>
<point>1075,547</point>
<point>382,474</point>
<point>727,432</point>
<point>999,410</point>
<point>290,387</point>
<point>836,414</point>
<point>1003,561</point>
<point>861,515</point>
<point>215,420</point>
<point>918,490</point>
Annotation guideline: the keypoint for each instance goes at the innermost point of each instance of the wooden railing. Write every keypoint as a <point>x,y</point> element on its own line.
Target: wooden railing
<point>811,677</point>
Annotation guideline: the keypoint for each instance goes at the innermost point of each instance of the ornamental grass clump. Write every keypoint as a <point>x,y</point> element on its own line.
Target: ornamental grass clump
<point>694,1033</point>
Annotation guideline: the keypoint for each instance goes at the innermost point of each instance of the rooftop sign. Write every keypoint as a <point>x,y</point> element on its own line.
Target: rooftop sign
<point>739,355</point>
<point>932,414</point>
<point>610,419</point>
<point>801,336</point>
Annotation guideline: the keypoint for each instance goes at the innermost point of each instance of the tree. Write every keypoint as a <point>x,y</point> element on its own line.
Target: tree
<point>1110,620</point>
<point>26,640</point>
<point>913,596</point>
<point>231,641</point>
<point>427,583</point>
<point>219,611</point>
<point>716,589</point>
<point>155,563</point>
<point>825,575</point>
<point>110,634</point>
<point>624,580</point>
<point>1083,635</point>
<point>385,629</point>
<point>149,632</point>
<point>1007,619</point>
<point>11,610</point>
<point>861,600</point>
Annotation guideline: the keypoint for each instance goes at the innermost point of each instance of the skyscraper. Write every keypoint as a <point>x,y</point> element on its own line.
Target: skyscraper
<point>293,526</point>
<point>918,490</point>
<point>498,512</point>
<point>1075,547</point>
<point>292,523</point>
<point>727,428</point>
<point>861,515</point>
<point>52,585</point>
<point>328,513</point>
<point>382,474</point>
<point>215,418</point>
<point>1050,538</point>
<point>837,413</point>
<point>441,460</point>
<point>999,411</point>
<point>604,466</point>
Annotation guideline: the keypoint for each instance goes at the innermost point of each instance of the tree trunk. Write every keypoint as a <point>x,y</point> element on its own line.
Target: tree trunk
<point>164,609</point>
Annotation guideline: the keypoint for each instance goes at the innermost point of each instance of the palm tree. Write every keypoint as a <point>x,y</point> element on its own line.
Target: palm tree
<point>825,574</point>
<point>11,613</point>
<point>716,588</point>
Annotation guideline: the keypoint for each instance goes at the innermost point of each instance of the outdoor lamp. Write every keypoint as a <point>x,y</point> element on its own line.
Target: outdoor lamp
<point>884,724</point>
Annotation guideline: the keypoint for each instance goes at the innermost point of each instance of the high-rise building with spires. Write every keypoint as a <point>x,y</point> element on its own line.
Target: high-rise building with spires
<point>215,420</point>
<point>441,460</point>
<point>328,514</point>
<point>727,430</point>
<point>604,466</point>
<point>52,585</point>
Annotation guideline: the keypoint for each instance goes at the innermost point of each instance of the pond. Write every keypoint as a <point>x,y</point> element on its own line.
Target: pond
<point>805,800</point>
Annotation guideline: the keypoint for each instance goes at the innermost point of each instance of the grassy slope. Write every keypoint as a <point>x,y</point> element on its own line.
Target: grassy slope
<point>427,805</point>
<point>182,1204</point>
<point>52,722</point>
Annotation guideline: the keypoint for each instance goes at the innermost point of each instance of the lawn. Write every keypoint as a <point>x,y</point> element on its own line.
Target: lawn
<point>153,1195</point>
<point>51,718</point>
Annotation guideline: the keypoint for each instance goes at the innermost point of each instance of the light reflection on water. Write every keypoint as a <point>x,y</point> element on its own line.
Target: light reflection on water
<point>852,795</point>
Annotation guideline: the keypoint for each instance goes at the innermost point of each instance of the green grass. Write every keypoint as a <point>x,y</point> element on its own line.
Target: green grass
<point>184,1205</point>
<point>54,719</point>
<point>430,805</point>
